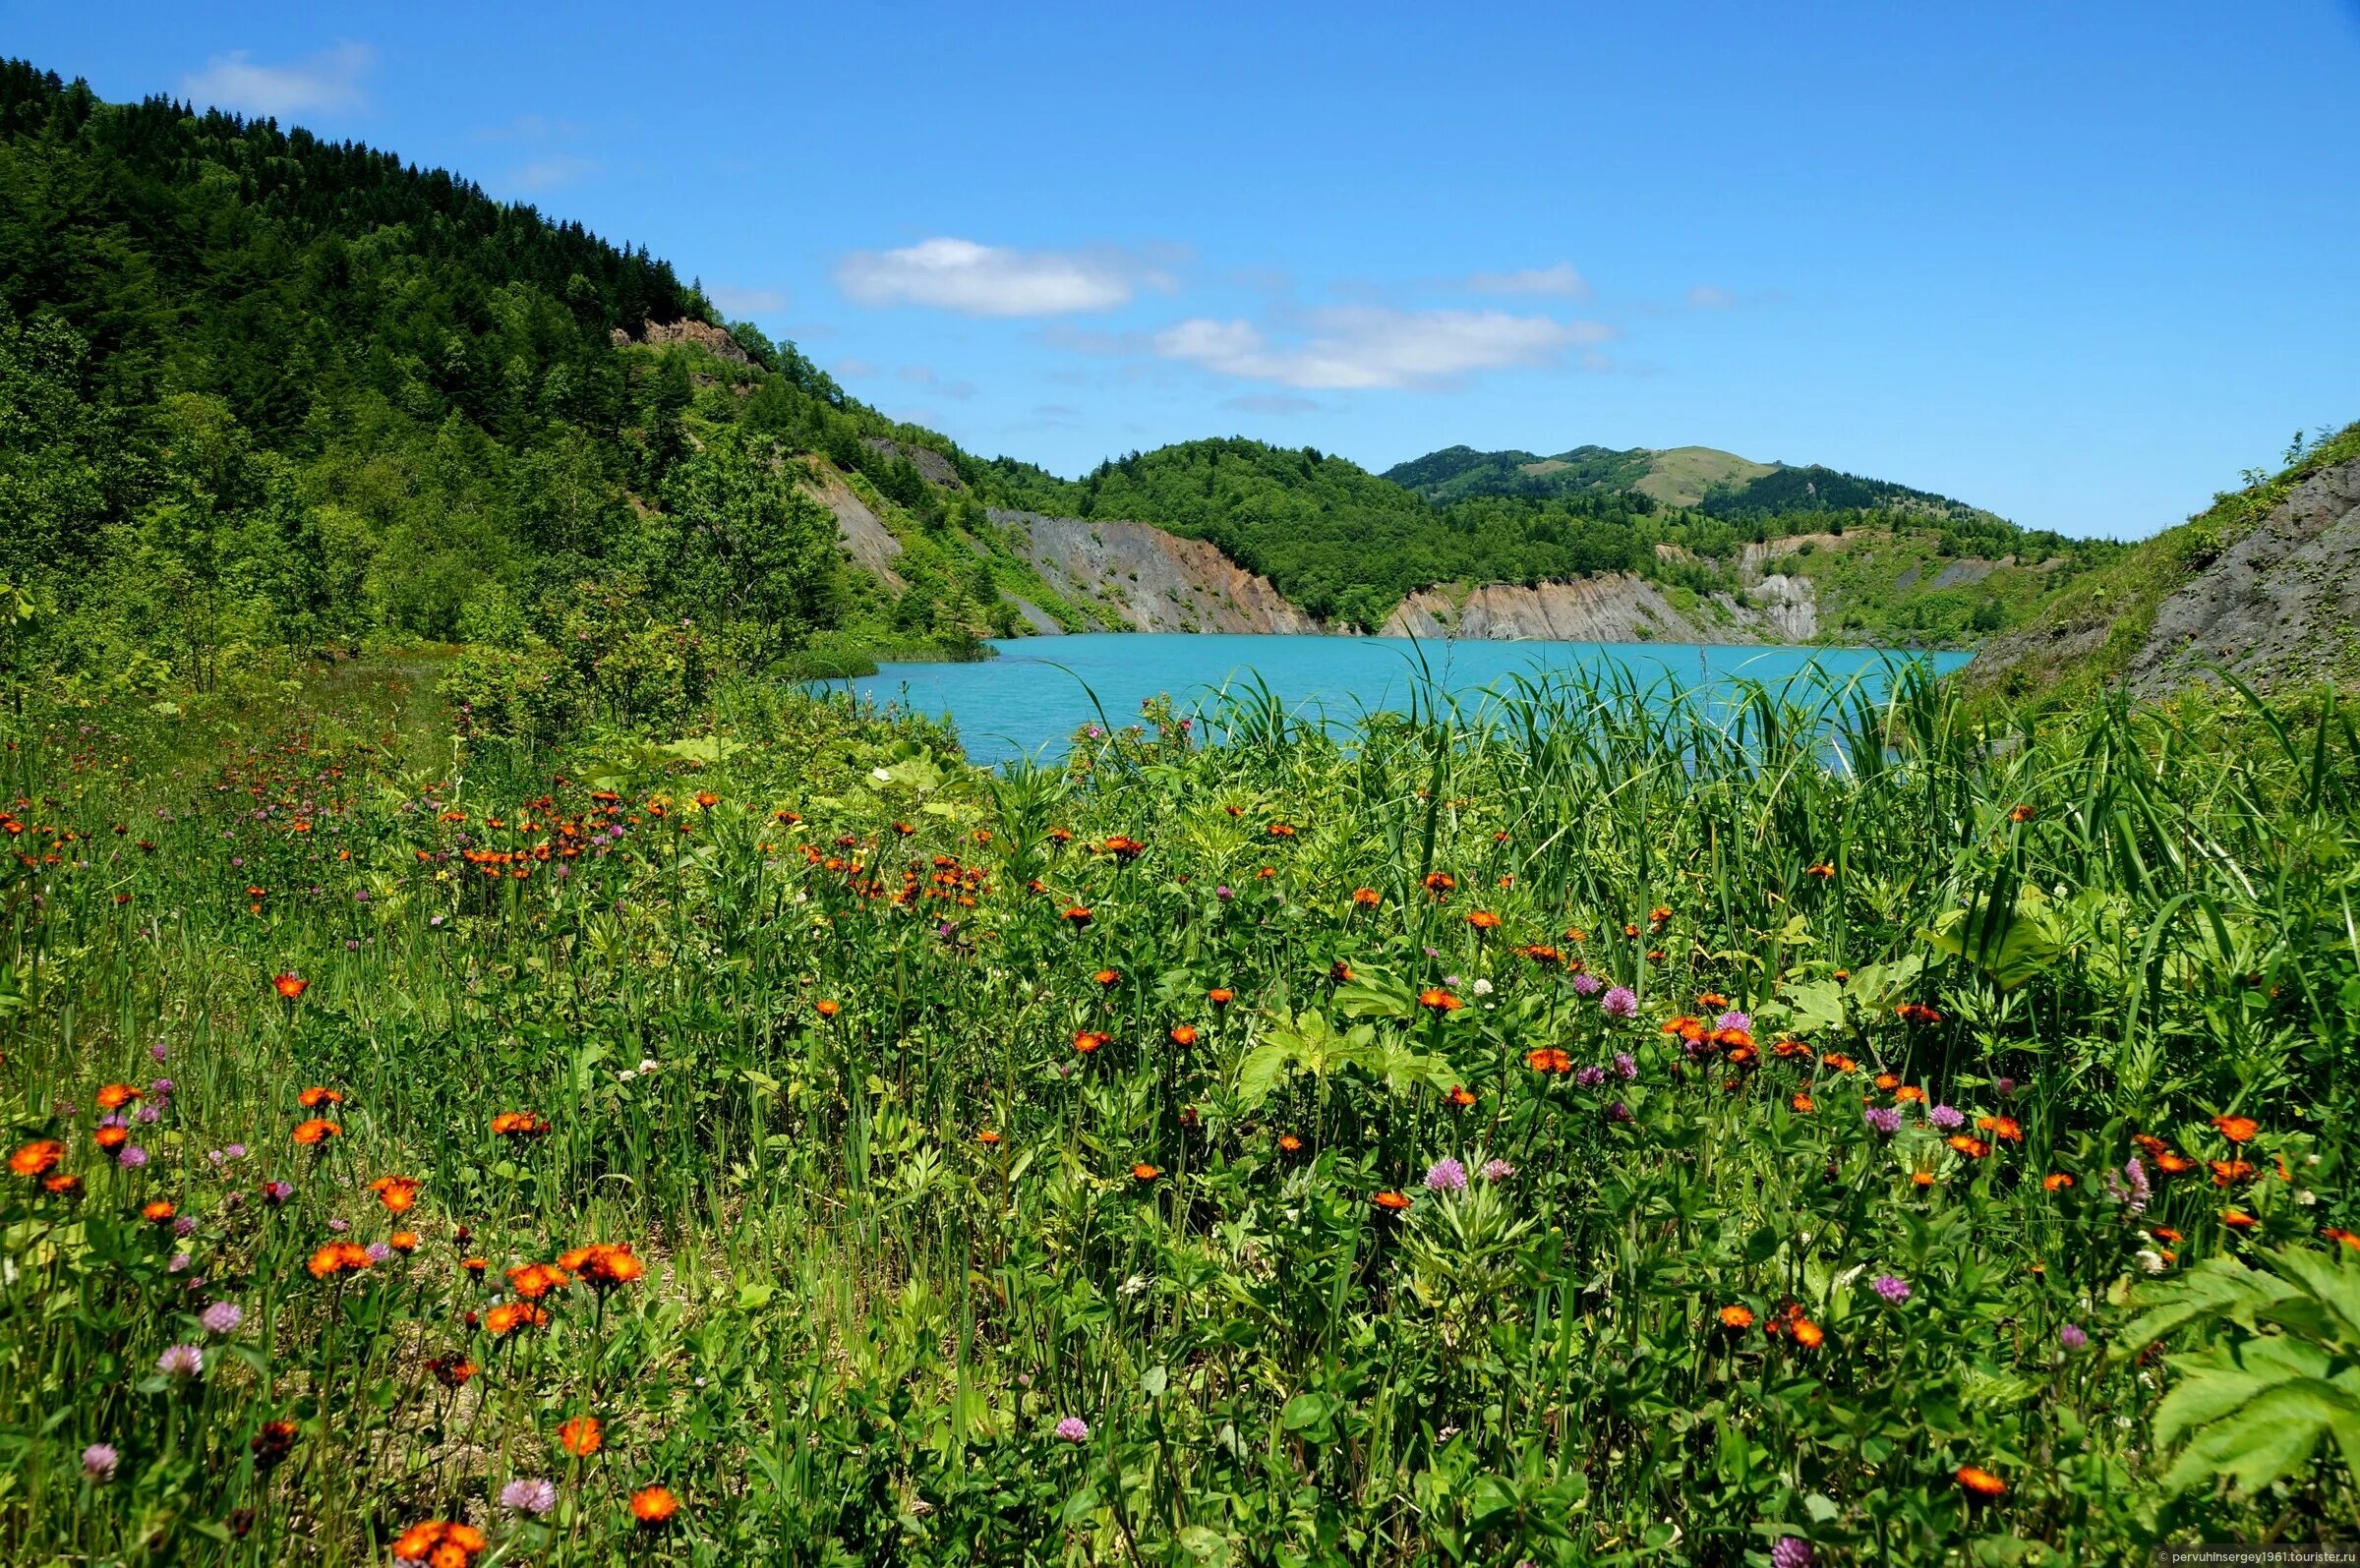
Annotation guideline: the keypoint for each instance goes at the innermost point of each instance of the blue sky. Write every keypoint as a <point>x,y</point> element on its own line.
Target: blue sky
<point>2079,264</point>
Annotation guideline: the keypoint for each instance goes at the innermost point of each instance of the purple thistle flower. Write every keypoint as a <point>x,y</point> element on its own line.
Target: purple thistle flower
<point>2130,1188</point>
<point>1618,1112</point>
<point>159,1050</point>
<point>1625,1066</point>
<point>1589,1078</point>
<point>1734,1021</point>
<point>1620,1003</point>
<point>378,1251</point>
<point>2072,1337</point>
<point>339,1226</point>
<point>184,1225</point>
<point>179,1264</point>
<point>1587,985</point>
<point>1223,893</point>
<point>1447,1174</point>
<point>181,1361</point>
<point>98,1462</point>
<point>1791,1551</point>
<point>278,1191</point>
<point>1074,1430</point>
<point>2006,1087</point>
<point>1892,1287</point>
<point>222,1317</point>
<point>1948,1119</point>
<point>1883,1119</point>
<point>148,1115</point>
<point>535,1497</point>
<point>1498,1170</point>
<point>131,1156</point>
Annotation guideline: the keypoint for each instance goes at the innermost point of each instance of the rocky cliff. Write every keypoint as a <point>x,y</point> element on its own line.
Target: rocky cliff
<point>2267,585</point>
<point>2281,605</point>
<point>1150,580</point>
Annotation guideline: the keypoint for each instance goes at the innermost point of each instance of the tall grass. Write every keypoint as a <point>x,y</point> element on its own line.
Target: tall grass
<point>812,1048</point>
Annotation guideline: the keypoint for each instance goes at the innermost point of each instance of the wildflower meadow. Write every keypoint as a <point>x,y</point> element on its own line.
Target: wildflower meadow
<point>1790,1127</point>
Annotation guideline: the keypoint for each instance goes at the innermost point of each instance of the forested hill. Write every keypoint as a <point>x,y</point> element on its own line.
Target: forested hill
<point>1712,480</point>
<point>261,389</point>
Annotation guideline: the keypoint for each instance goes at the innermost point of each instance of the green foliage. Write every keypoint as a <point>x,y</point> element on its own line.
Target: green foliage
<point>798,997</point>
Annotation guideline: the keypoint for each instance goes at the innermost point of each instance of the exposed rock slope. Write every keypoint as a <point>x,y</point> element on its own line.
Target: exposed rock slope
<point>1153,580</point>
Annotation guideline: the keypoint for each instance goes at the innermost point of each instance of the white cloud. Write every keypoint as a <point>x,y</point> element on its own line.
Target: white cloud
<point>327,81</point>
<point>853,366</point>
<point>746,302</point>
<point>1270,403</point>
<point>1560,280</point>
<point>992,280</point>
<point>1365,346</point>
<point>548,174</point>
<point>1705,297</point>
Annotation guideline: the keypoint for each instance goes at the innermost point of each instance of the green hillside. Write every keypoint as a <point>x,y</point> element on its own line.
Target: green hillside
<point>263,391</point>
<point>266,396</point>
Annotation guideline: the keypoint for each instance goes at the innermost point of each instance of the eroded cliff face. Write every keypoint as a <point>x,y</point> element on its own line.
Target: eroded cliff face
<point>2280,605</point>
<point>1615,608</point>
<point>1149,579</point>
<point>862,532</point>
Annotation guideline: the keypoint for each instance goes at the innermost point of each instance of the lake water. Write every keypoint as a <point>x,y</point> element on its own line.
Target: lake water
<point>1031,699</point>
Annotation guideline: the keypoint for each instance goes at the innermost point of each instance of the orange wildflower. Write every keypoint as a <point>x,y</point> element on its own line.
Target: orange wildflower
<point>509,1317</point>
<point>1461,1096</point>
<point>2055,1182</point>
<point>1367,897</point>
<point>1220,996</point>
<point>1916,1013</point>
<point>581,1436</point>
<point>2006,1129</point>
<point>2237,1219</point>
<point>290,986</point>
<point>111,1137</point>
<point>317,1095</point>
<point>827,1007</point>
<point>1736,1316</point>
<point>988,1138</point>
<point>404,1242</point>
<point>1803,1103</point>
<point>1975,1148</point>
<point>1434,999</point>
<point>398,1193</point>
<point>440,1543</point>
<point>1184,1034</point>
<point>337,1257</point>
<point>1088,1041</point>
<point>2225,1172</point>
<point>654,1506</point>
<point>1392,1202</point>
<point>2237,1128</point>
<point>532,1281</point>
<point>115,1096</point>
<point>518,1124</point>
<point>316,1131</point>
<point>1549,1058</point>
<point>1483,920</point>
<point>1076,915</point>
<point>1143,1172</point>
<point>37,1158</point>
<point>158,1212</point>
<point>1289,1143</point>
<point>1979,1481</point>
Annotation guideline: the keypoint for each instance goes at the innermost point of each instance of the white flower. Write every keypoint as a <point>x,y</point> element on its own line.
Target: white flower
<point>880,775</point>
<point>1483,988</point>
<point>1134,1285</point>
<point>2151,1261</point>
<point>2306,1198</point>
<point>647,1063</point>
<point>625,1075</point>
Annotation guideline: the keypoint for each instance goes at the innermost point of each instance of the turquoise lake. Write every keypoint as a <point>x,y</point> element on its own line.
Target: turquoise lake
<point>1029,700</point>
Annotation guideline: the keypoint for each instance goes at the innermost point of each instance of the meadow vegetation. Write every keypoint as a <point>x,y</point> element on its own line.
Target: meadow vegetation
<point>1789,1127</point>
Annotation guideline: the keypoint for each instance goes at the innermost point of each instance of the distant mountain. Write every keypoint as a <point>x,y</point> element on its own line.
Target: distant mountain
<point>1721,484</point>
